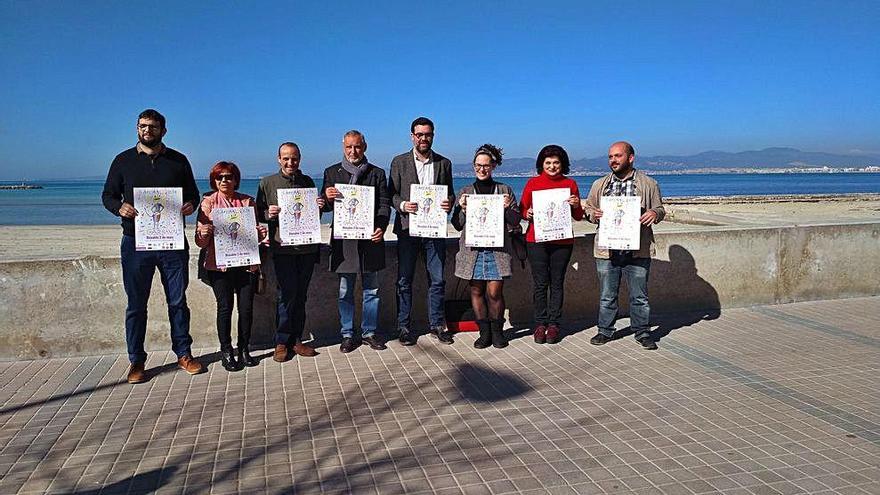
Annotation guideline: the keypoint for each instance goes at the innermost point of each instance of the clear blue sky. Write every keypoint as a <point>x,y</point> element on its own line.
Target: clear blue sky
<point>235,79</point>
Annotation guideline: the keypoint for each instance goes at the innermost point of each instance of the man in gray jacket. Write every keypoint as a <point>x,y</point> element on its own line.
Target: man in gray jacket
<point>420,165</point>
<point>625,180</point>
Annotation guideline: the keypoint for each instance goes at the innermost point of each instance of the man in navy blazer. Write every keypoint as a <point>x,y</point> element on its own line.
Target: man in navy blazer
<point>420,165</point>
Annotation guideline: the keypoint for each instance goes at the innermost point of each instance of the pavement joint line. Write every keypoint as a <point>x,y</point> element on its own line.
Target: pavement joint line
<point>832,415</point>
<point>815,325</point>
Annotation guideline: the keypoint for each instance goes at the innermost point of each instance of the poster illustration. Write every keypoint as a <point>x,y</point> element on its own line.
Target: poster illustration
<point>159,223</point>
<point>551,214</point>
<point>236,242</point>
<point>484,221</point>
<point>299,221</point>
<point>619,226</point>
<point>353,212</point>
<point>430,219</point>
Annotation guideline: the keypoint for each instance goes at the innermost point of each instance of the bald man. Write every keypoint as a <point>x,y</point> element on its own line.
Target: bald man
<point>634,265</point>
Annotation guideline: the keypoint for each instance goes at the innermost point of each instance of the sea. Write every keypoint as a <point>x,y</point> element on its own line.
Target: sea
<point>79,202</point>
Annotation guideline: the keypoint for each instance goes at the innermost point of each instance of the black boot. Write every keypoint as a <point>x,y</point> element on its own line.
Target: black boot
<point>485,339</point>
<point>499,341</point>
<point>227,359</point>
<point>245,358</point>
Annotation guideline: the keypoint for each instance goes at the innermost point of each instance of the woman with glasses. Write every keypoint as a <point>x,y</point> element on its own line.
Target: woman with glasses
<point>228,283</point>
<point>549,260</point>
<point>486,268</point>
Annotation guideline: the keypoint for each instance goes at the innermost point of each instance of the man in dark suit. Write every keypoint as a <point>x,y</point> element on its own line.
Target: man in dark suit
<point>348,257</point>
<point>420,165</point>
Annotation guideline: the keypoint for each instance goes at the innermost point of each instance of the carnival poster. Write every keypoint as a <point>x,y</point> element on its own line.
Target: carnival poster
<point>551,214</point>
<point>429,220</point>
<point>484,220</point>
<point>299,221</point>
<point>159,222</point>
<point>236,242</point>
<point>619,226</point>
<point>353,212</point>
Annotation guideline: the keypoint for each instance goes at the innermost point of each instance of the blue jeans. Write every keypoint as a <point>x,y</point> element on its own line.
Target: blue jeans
<point>138,268</point>
<point>485,266</point>
<point>635,270</point>
<point>370,316</point>
<point>408,249</point>
<point>293,273</point>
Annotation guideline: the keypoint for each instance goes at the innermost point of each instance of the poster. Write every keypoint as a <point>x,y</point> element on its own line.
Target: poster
<point>430,219</point>
<point>236,242</point>
<point>619,226</point>
<point>353,212</point>
<point>551,214</point>
<point>159,223</point>
<point>299,221</point>
<point>484,221</point>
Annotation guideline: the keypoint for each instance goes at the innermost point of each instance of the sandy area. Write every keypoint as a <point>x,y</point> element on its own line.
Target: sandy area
<point>19,243</point>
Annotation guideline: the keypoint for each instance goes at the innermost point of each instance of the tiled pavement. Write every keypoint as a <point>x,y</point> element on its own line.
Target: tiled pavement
<point>774,399</point>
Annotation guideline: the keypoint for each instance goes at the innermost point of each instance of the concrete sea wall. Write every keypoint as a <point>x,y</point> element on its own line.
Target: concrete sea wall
<point>76,307</point>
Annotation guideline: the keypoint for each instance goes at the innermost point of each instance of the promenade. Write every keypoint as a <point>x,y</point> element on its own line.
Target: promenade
<point>764,400</point>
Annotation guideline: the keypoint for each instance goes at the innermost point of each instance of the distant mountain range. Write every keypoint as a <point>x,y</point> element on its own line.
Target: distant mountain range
<point>768,158</point>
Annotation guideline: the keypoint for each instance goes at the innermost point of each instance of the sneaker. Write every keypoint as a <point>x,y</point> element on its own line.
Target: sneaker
<point>648,343</point>
<point>442,335</point>
<point>599,339</point>
<point>375,343</point>
<point>540,334</point>
<point>553,333</point>
<point>348,344</point>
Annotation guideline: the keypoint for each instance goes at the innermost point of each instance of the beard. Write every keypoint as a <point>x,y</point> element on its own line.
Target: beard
<point>151,142</point>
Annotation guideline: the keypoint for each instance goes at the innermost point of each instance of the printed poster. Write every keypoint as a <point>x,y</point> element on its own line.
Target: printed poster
<point>619,226</point>
<point>484,220</point>
<point>551,214</point>
<point>430,219</point>
<point>159,223</point>
<point>300,220</point>
<point>353,212</point>
<point>235,236</point>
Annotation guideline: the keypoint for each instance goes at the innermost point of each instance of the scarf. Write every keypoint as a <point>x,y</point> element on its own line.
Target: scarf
<point>356,171</point>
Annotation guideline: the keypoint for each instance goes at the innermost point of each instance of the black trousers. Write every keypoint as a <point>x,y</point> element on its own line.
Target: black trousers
<point>294,273</point>
<point>549,263</point>
<point>234,282</point>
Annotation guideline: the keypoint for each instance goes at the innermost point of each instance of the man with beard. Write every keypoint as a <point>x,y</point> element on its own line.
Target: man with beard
<point>152,164</point>
<point>350,257</point>
<point>634,265</point>
<point>420,165</point>
<point>293,265</point>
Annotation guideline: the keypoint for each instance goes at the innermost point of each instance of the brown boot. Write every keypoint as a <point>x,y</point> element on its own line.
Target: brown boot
<point>136,373</point>
<point>303,350</point>
<point>280,353</point>
<point>191,365</point>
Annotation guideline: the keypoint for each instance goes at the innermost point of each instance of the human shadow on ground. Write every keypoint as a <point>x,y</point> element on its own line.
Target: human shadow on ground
<point>139,483</point>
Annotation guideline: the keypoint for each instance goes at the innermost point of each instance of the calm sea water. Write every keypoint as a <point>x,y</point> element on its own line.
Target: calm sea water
<point>79,202</point>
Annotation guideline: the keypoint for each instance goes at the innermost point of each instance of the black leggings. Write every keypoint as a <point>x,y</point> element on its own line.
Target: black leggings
<point>549,263</point>
<point>234,282</point>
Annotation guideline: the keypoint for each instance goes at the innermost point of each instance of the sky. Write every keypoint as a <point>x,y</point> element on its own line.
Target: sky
<point>235,79</point>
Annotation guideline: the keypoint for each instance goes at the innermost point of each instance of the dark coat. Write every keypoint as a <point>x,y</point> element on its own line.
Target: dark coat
<point>356,256</point>
<point>403,174</point>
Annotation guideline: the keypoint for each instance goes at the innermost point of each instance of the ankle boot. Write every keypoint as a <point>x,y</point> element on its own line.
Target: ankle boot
<point>499,341</point>
<point>485,339</point>
<point>227,359</point>
<point>245,358</point>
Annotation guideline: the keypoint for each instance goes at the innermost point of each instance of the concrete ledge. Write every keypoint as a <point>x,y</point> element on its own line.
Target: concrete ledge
<point>76,307</point>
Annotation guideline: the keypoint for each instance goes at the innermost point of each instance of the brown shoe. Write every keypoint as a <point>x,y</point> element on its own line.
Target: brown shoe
<point>136,373</point>
<point>303,350</point>
<point>190,365</point>
<point>280,353</point>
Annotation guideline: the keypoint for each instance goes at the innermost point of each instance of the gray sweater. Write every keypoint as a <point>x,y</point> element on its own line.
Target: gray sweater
<point>466,257</point>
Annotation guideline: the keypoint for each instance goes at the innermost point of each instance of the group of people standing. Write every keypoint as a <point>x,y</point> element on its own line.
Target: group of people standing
<point>151,164</point>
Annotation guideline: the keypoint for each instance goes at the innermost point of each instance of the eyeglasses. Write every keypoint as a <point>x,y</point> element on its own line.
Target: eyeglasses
<point>225,177</point>
<point>484,167</point>
<point>144,127</point>
<point>421,135</point>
